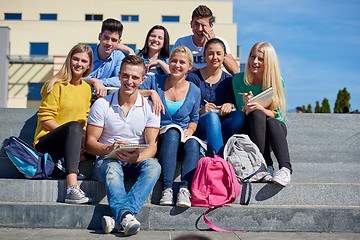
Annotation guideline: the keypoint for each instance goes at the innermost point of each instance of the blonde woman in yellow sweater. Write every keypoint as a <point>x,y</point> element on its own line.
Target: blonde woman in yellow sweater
<point>62,116</point>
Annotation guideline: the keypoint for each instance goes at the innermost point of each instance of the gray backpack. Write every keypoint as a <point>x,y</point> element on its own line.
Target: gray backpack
<point>245,157</point>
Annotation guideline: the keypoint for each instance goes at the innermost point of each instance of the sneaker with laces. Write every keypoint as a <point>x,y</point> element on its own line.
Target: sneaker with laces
<point>183,198</point>
<point>130,225</point>
<point>269,177</point>
<point>282,176</point>
<point>108,224</point>
<point>77,196</point>
<point>166,197</point>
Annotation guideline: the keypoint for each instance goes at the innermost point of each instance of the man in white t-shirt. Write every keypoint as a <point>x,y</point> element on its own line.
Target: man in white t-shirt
<point>201,25</point>
<point>125,117</point>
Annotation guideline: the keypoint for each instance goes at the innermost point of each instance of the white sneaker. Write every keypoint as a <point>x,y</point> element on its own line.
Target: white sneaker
<point>166,197</point>
<point>108,224</point>
<point>282,176</point>
<point>77,196</point>
<point>130,225</point>
<point>183,198</point>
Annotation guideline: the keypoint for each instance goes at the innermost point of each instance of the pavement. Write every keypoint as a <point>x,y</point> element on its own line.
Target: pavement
<point>80,234</point>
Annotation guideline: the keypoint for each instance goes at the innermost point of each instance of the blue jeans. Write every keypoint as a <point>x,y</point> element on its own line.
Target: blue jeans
<point>217,130</point>
<point>170,143</point>
<point>112,174</point>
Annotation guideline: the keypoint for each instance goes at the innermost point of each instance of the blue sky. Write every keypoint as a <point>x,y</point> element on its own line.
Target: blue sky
<point>317,42</point>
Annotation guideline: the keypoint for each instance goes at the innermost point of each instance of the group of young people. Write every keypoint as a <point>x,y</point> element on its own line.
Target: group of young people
<point>186,87</point>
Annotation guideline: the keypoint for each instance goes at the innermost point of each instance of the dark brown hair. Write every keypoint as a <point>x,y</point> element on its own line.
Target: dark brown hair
<point>202,11</point>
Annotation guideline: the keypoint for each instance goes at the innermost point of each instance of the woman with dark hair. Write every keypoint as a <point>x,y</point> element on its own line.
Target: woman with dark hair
<point>62,116</point>
<point>218,120</point>
<point>155,52</point>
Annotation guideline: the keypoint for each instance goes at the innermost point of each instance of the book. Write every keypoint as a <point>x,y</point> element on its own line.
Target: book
<point>264,98</point>
<point>217,111</point>
<point>127,147</point>
<point>182,137</point>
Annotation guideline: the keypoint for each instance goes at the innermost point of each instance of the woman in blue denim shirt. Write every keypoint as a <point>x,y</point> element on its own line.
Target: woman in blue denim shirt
<point>155,52</point>
<point>181,101</point>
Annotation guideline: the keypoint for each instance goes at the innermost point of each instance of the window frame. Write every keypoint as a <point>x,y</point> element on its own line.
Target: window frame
<point>48,16</point>
<point>170,18</point>
<point>37,49</point>
<point>12,16</point>
<point>93,16</point>
<point>129,18</point>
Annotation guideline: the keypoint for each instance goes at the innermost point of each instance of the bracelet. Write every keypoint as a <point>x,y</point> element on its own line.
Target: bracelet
<point>191,129</point>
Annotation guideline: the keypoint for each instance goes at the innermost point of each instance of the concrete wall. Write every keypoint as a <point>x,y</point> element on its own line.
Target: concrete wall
<point>4,62</point>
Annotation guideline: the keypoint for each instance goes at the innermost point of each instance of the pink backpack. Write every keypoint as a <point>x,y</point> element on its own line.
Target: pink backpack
<point>214,185</point>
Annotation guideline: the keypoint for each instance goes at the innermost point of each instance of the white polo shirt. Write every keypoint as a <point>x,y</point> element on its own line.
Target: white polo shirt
<point>107,114</point>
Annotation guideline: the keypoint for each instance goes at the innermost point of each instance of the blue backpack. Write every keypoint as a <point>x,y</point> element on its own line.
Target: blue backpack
<point>27,160</point>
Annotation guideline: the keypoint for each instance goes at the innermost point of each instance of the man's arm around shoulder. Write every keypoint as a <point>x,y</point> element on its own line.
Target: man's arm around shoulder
<point>230,64</point>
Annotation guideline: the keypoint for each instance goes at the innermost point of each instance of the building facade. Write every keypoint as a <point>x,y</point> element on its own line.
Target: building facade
<point>43,31</point>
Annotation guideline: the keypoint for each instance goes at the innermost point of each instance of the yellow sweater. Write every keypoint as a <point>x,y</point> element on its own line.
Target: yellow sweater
<point>65,103</point>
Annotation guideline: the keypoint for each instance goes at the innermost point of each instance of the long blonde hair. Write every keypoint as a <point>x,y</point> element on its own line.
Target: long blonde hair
<point>271,76</point>
<point>65,74</point>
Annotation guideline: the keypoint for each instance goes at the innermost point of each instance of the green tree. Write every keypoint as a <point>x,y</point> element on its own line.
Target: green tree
<point>325,107</point>
<point>342,100</point>
<point>309,109</point>
<point>317,107</point>
<point>304,109</point>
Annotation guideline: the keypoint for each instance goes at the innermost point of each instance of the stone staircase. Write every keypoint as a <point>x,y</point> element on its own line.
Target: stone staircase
<point>324,195</point>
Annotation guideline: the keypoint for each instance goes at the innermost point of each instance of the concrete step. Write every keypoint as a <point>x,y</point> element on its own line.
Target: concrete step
<point>263,194</point>
<point>152,217</point>
<point>323,138</point>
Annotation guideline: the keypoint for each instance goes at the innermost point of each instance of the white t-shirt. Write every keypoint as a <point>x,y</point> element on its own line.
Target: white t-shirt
<point>199,61</point>
<point>107,114</point>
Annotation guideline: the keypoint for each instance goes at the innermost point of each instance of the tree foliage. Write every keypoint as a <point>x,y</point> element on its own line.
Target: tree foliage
<point>304,109</point>
<point>317,107</point>
<point>342,100</point>
<point>325,107</point>
<point>309,109</point>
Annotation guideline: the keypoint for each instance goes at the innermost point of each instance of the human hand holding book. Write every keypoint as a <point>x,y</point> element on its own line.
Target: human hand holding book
<point>130,148</point>
<point>219,110</point>
<point>262,100</point>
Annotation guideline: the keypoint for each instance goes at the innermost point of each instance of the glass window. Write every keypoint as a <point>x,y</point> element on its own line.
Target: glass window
<point>39,48</point>
<point>170,18</point>
<point>93,17</point>
<point>242,67</point>
<point>132,46</point>
<point>35,91</point>
<point>130,18</point>
<point>92,45</point>
<point>12,16</point>
<point>48,16</point>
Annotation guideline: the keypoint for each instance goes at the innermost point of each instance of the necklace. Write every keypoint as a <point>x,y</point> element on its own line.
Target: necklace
<point>179,87</point>
<point>173,93</point>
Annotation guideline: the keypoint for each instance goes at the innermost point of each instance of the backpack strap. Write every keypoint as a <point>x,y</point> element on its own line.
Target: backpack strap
<point>45,159</point>
<point>211,225</point>
<point>247,180</point>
